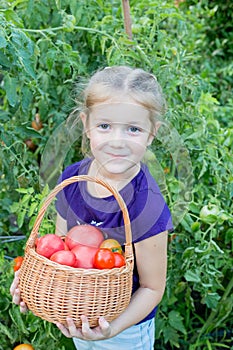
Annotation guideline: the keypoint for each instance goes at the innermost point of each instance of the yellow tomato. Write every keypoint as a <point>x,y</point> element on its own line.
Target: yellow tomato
<point>24,347</point>
<point>112,244</point>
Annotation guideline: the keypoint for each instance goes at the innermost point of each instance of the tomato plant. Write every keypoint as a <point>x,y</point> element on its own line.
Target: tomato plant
<point>104,259</point>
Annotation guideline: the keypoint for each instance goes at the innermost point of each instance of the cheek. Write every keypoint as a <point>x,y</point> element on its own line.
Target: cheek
<point>96,142</point>
<point>138,145</point>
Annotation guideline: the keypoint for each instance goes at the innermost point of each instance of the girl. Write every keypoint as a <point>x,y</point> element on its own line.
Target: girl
<point>120,119</point>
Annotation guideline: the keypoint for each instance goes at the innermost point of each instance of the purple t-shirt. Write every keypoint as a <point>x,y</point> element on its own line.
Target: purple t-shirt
<point>148,212</point>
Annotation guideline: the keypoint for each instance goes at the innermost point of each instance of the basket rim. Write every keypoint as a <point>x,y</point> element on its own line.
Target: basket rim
<point>127,225</point>
<point>30,251</point>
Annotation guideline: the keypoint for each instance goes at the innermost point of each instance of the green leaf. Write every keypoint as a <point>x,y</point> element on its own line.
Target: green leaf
<point>26,98</point>
<point>191,276</point>
<point>22,190</point>
<point>4,61</point>
<point>10,86</point>
<point>5,330</point>
<point>20,218</point>
<point>3,42</point>
<point>12,17</point>
<point>25,199</point>
<point>16,317</point>
<point>176,321</point>
<point>27,132</point>
<point>171,335</point>
<point>31,222</point>
<point>24,49</point>
<point>211,300</point>
<point>14,207</point>
<point>32,209</point>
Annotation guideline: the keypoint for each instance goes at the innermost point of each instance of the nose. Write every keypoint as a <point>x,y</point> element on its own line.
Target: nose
<point>117,139</point>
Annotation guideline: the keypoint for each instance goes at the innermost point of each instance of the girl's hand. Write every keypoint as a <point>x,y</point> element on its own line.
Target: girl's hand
<point>15,292</point>
<point>103,331</point>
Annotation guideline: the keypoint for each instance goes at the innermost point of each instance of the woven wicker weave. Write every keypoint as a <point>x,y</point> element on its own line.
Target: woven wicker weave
<point>54,292</point>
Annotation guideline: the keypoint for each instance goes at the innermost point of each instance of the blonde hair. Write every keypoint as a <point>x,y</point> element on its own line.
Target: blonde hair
<point>135,83</point>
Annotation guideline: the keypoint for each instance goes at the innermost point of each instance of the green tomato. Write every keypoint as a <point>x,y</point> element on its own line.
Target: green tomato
<point>69,22</point>
<point>195,226</point>
<point>209,213</point>
<point>136,28</point>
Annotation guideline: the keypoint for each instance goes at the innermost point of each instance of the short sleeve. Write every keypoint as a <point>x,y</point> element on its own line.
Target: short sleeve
<point>149,215</point>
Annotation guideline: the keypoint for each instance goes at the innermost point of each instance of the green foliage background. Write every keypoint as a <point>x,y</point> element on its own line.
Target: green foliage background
<point>46,47</point>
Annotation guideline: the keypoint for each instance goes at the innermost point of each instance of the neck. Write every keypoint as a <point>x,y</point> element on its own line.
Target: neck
<point>118,181</point>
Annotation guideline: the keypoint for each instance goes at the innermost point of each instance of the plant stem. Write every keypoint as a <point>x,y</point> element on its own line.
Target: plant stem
<point>127,19</point>
<point>214,312</point>
<point>56,29</point>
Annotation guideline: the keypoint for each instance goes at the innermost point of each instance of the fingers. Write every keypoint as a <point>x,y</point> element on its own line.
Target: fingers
<point>23,307</point>
<point>74,331</point>
<point>15,292</point>
<point>86,330</point>
<point>64,330</point>
<point>70,331</point>
<point>16,297</point>
<point>105,327</point>
<point>102,331</point>
<point>18,301</point>
<point>15,283</point>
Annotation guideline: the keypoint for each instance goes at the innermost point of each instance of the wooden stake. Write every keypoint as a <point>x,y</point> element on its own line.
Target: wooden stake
<point>127,19</point>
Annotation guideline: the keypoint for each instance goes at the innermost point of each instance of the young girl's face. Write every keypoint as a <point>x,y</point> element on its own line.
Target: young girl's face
<point>119,134</point>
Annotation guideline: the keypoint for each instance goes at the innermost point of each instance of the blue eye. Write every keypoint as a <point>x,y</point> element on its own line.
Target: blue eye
<point>134,129</point>
<point>104,126</point>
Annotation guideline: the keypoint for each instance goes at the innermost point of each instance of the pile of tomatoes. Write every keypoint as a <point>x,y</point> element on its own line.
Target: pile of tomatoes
<point>83,247</point>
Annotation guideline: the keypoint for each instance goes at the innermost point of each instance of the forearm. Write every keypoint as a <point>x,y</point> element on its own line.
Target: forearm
<point>142,303</point>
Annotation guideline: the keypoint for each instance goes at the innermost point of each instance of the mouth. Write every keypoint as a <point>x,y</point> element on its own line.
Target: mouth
<point>113,155</point>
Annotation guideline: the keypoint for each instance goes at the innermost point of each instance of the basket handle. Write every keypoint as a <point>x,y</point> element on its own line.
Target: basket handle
<point>63,184</point>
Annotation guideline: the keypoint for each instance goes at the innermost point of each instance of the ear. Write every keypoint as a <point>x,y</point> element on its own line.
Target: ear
<point>150,139</point>
<point>84,119</point>
<point>153,133</point>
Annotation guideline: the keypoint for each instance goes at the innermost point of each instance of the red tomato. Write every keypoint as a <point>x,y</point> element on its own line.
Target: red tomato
<point>84,256</point>
<point>17,263</point>
<point>119,260</point>
<point>84,234</point>
<point>64,257</point>
<point>36,123</point>
<point>104,259</point>
<point>111,244</point>
<point>49,244</point>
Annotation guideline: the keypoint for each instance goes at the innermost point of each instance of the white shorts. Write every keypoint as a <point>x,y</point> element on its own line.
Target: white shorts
<point>138,337</point>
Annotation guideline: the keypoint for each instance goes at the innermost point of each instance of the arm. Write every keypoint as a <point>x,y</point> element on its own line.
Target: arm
<point>151,257</point>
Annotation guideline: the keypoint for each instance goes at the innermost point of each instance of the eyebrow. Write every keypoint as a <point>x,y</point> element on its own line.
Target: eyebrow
<point>109,119</point>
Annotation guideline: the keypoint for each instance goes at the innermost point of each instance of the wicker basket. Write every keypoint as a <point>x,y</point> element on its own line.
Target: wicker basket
<point>54,292</point>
